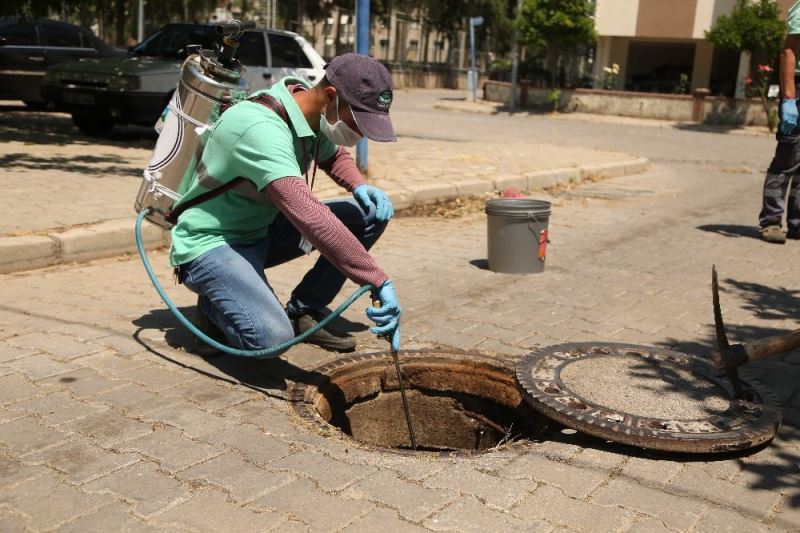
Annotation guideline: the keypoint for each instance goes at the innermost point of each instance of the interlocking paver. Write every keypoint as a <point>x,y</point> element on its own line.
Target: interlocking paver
<point>328,473</point>
<point>58,408</point>
<point>676,512</point>
<point>81,461</point>
<point>722,520</point>
<point>490,489</point>
<point>754,502</point>
<point>413,502</point>
<point>209,511</point>
<point>468,514</point>
<point>60,347</point>
<point>147,489</point>
<point>26,435</point>
<point>109,427</point>
<point>382,520</point>
<point>114,517</point>
<point>190,419</point>
<point>171,450</point>
<point>84,382</point>
<point>553,506</point>
<point>14,388</point>
<point>134,399</point>
<point>47,502</point>
<point>39,366</point>
<point>303,501</point>
<point>242,480</point>
<point>254,444</point>
<point>157,377</point>
<point>13,471</point>
<point>575,482</point>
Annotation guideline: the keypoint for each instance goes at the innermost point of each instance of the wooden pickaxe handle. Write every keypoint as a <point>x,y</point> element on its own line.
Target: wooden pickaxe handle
<point>772,346</point>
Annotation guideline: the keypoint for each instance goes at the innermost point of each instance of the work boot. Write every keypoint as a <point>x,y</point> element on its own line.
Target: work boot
<point>328,337</point>
<point>773,234</point>
<point>204,324</point>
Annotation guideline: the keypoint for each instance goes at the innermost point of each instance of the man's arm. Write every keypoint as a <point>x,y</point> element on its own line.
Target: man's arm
<point>788,65</point>
<point>343,170</point>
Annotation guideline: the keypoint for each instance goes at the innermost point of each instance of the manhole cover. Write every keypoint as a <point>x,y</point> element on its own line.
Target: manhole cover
<point>648,397</point>
<point>459,402</point>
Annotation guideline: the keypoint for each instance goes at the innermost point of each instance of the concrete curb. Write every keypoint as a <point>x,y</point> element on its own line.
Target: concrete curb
<point>115,237</point>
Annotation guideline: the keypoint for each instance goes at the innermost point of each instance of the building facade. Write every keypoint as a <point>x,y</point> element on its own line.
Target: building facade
<point>660,46</point>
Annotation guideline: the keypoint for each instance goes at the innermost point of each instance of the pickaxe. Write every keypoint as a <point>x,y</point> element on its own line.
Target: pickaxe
<point>731,356</point>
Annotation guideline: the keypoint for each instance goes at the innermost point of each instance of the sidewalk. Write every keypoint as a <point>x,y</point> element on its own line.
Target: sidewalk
<point>71,198</point>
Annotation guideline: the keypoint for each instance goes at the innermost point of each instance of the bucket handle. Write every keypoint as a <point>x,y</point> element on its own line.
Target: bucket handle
<point>540,228</point>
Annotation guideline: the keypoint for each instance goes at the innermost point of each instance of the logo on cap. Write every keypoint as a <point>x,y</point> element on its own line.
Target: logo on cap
<point>384,100</point>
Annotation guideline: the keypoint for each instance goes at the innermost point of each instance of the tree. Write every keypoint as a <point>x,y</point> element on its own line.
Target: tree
<point>556,28</point>
<point>754,27</point>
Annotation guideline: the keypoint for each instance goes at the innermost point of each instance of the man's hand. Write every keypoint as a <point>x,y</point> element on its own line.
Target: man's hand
<point>387,316</point>
<point>368,195</point>
<point>788,116</point>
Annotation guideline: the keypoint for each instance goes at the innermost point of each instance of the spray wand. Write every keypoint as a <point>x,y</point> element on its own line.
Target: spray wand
<point>377,303</point>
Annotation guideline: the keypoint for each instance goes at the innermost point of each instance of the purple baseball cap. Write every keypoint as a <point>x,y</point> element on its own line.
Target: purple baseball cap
<point>367,86</point>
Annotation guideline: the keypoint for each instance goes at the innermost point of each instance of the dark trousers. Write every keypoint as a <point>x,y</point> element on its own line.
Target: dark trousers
<point>782,175</point>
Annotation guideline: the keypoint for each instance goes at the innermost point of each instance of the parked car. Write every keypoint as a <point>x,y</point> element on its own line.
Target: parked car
<point>134,90</point>
<point>28,47</point>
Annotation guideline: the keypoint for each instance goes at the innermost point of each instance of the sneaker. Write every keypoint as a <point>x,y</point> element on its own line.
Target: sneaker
<point>204,324</point>
<point>328,337</point>
<point>773,234</point>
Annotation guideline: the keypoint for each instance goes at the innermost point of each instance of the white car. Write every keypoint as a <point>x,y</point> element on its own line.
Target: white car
<point>135,89</point>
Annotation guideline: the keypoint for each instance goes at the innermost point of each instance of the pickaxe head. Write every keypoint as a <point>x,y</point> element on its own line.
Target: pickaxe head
<point>728,357</point>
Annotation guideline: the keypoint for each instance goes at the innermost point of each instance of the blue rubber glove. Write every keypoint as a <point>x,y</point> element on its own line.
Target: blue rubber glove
<point>387,316</point>
<point>788,116</point>
<point>368,195</point>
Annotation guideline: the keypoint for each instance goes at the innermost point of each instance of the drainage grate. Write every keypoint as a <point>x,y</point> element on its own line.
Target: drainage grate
<point>648,397</point>
<point>459,402</point>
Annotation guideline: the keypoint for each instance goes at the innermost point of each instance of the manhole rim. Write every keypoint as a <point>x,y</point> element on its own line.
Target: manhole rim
<point>308,414</point>
<point>763,430</point>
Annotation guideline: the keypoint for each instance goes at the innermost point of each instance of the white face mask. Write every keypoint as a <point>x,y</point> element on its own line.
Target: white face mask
<point>339,133</point>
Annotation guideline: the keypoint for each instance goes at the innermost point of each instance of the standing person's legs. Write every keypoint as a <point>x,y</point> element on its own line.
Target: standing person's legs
<point>793,208</point>
<point>783,166</point>
<point>236,297</point>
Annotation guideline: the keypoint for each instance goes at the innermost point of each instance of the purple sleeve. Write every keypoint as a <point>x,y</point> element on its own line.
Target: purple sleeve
<point>326,232</point>
<point>343,170</point>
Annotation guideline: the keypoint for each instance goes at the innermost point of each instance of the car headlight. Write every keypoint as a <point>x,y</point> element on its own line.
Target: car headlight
<point>123,83</point>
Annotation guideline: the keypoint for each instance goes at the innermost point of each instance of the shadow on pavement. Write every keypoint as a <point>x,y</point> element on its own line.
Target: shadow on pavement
<point>707,128</point>
<point>260,375</point>
<point>86,165</point>
<point>21,124</point>
<point>732,230</point>
<point>780,467</point>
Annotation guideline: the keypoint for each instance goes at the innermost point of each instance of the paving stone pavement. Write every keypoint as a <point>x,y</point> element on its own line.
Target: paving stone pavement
<point>107,422</point>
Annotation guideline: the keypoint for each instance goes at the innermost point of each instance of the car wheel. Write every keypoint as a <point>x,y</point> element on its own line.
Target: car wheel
<point>91,125</point>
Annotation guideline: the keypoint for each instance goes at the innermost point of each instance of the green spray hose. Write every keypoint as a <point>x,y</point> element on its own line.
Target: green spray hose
<point>264,353</point>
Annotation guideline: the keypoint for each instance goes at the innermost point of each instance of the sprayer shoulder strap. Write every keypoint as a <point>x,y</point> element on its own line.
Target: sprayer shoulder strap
<point>266,100</point>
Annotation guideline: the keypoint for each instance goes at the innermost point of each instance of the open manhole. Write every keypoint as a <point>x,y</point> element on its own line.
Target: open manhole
<point>648,397</point>
<point>459,402</point>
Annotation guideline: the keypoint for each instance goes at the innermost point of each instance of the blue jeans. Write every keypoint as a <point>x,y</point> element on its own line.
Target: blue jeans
<point>236,295</point>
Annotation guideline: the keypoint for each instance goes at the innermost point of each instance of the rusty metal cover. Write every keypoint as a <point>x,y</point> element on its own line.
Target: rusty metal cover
<point>646,396</point>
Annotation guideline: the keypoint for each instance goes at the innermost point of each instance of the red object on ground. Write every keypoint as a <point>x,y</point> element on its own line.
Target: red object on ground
<point>512,192</point>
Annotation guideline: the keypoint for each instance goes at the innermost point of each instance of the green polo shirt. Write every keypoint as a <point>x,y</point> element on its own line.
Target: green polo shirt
<point>252,141</point>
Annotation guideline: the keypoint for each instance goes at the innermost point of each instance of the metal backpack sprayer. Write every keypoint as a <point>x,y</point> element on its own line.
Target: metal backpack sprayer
<point>210,81</point>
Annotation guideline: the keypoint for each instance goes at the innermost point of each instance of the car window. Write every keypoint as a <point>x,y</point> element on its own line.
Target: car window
<point>20,34</point>
<point>286,52</point>
<point>171,41</point>
<point>252,49</point>
<point>59,35</point>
